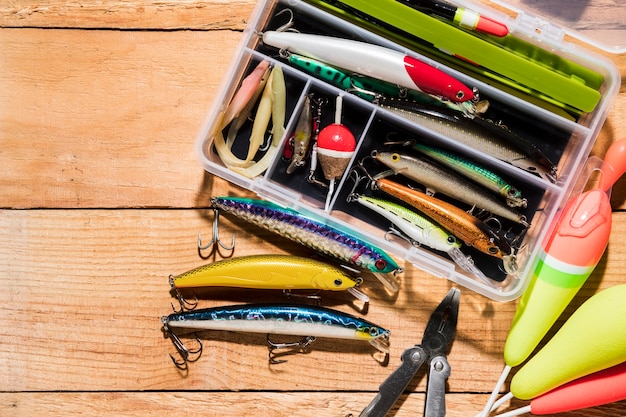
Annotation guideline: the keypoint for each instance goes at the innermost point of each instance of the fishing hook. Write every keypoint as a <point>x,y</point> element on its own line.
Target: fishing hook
<point>300,346</point>
<point>184,303</point>
<point>290,22</point>
<point>215,238</point>
<point>353,195</point>
<point>184,352</point>
<point>395,232</point>
<point>376,97</point>
<point>315,296</point>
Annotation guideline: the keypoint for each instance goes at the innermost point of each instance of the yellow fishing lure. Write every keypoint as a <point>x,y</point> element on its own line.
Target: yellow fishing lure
<point>278,272</point>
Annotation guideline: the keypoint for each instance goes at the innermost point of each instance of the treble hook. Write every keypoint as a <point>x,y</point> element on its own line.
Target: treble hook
<point>272,346</point>
<point>215,238</point>
<point>183,350</point>
<point>395,232</point>
<point>184,303</point>
<point>353,195</point>
<point>289,23</point>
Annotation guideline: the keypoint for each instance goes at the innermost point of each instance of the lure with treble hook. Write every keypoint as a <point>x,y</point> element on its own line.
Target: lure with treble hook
<point>278,272</point>
<point>373,61</point>
<point>437,179</point>
<point>277,319</point>
<point>302,137</point>
<point>328,240</point>
<point>477,173</point>
<point>466,227</point>
<point>372,89</point>
<point>420,230</point>
<point>479,134</point>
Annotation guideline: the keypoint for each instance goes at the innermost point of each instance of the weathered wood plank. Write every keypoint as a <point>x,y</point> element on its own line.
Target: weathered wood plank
<point>105,119</point>
<point>203,14</point>
<point>84,291</point>
<point>157,404</point>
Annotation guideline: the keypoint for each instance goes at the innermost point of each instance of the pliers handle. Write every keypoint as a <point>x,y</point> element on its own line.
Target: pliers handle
<point>437,337</point>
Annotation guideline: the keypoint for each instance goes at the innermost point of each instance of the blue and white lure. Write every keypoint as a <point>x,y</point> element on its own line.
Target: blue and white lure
<point>315,234</point>
<point>276,319</point>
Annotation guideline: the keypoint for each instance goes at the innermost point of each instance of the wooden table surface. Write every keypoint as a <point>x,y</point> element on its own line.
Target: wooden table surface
<point>102,200</point>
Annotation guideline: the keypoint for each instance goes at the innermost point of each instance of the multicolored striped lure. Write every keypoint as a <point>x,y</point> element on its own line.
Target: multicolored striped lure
<point>326,239</point>
<point>277,319</point>
<point>277,272</point>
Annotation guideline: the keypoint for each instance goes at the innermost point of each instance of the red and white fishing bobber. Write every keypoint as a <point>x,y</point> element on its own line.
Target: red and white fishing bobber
<point>335,148</point>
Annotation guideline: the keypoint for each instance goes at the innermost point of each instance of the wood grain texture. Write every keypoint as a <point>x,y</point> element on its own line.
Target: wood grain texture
<point>214,404</point>
<point>102,199</point>
<point>88,116</point>
<point>187,14</point>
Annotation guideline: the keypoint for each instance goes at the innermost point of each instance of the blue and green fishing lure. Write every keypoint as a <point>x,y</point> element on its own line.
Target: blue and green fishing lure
<point>312,233</point>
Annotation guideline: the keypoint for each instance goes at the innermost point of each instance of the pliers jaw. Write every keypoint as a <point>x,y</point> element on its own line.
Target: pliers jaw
<point>437,338</point>
<point>441,327</point>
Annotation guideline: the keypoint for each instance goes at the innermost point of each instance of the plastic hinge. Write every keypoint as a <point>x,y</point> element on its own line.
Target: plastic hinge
<point>540,29</point>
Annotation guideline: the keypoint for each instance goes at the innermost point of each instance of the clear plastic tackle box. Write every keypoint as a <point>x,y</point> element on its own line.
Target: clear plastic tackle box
<point>513,99</point>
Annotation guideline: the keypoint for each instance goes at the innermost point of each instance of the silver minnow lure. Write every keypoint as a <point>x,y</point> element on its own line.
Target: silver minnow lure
<point>314,234</point>
<point>481,140</point>
<point>437,179</point>
<point>418,228</point>
<point>478,173</point>
<point>282,319</point>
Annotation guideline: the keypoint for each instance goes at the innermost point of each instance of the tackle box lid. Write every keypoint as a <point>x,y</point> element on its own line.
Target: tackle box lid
<point>600,23</point>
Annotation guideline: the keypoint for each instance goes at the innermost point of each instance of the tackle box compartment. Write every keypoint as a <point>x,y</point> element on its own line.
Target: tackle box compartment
<point>565,135</point>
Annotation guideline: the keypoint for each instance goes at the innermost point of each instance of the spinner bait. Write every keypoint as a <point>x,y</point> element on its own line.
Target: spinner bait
<point>314,234</point>
<point>372,89</point>
<point>277,319</point>
<point>466,227</point>
<point>477,173</point>
<point>278,272</point>
<point>437,179</point>
<point>481,135</point>
<point>420,230</point>
<point>373,61</point>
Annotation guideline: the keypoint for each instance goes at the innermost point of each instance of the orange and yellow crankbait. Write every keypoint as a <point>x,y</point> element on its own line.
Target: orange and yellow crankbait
<point>277,272</point>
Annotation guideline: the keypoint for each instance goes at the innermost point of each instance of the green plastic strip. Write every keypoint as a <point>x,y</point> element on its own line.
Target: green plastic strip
<point>547,75</point>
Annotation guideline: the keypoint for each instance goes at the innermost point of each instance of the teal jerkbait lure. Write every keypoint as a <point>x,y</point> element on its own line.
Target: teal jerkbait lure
<point>314,234</point>
<point>477,173</point>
